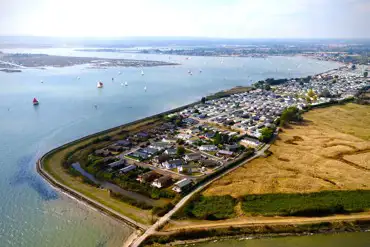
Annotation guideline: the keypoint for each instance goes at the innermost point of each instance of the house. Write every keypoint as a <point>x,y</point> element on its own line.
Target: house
<point>233,147</point>
<point>210,134</point>
<point>117,164</point>
<point>184,169</point>
<point>207,148</point>
<point>161,158</point>
<point>162,182</point>
<point>250,142</point>
<point>149,151</point>
<point>102,153</point>
<point>183,136</point>
<point>192,157</point>
<point>114,148</point>
<point>148,177</point>
<point>139,155</point>
<point>171,151</point>
<point>224,153</point>
<point>182,185</point>
<point>142,135</point>
<point>209,163</point>
<point>190,121</point>
<point>127,169</point>
<point>160,145</point>
<point>123,143</point>
<point>172,163</point>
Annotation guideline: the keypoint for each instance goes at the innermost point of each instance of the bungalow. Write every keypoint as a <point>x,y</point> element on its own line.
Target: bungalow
<point>117,164</point>
<point>149,151</point>
<point>250,142</point>
<point>127,169</point>
<point>209,134</point>
<point>193,157</point>
<point>139,155</point>
<point>232,147</point>
<point>142,135</point>
<point>209,163</point>
<point>224,153</point>
<point>182,185</point>
<point>124,143</point>
<point>172,163</point>
<point>114,148</point>
<point>162,182</point>
<point>171,151</point>
<point>207,148</point>
<point>190,121</point>
<point>161,158</point>
<point>160,145</point>
<point>148,177</point>
<point>102,153</point>
<point>183,136</point>
<point>184,169</point>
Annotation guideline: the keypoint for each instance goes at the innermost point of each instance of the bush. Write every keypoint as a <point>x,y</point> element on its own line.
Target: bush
<point>211,207</point>
<point>309,204</point>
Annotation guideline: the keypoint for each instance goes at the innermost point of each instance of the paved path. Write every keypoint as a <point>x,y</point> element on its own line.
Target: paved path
<point>151,230</point>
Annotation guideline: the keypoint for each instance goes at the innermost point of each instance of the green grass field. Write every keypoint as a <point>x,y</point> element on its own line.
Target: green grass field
<point>310,204</point>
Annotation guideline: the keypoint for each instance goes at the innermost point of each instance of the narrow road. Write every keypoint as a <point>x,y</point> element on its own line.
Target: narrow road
<point>151,230</point>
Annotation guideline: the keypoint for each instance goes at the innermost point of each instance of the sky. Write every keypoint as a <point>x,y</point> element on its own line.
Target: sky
<point>190,18</point>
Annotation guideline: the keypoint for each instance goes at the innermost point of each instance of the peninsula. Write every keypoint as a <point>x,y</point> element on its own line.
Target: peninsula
<point>15,62</point>
<point>157,168</point>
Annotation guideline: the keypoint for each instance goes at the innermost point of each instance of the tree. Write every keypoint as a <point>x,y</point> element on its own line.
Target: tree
<point>366,74</point>
<point>311,93</point>
<point>290,114</point>
<point>353,67</point>
<point>267,87</point>
<point>217,139</point>
<point>266,134</point>
<point>180,150</point>
<point>203,100</point>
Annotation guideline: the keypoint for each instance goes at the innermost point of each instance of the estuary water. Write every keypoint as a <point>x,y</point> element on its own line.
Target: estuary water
<point>34,214</point>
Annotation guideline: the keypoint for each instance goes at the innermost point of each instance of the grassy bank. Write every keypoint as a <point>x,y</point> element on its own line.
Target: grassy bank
<point>256,231</point>
<point>309,205</point>
<point>53,165</point>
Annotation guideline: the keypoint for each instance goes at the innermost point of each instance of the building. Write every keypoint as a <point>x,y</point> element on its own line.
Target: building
<point>124,143</point>
<point>102,153</point>
<point>182,185</point>
<point>162,182</point>
<point>250,142</point>
<point>224,153</point>
<point>127,169</point>
<point>117,164</point>
<point>172,163</point>
<point>148,177</point>
<point>171,151</point>
<point>192,157</point>
<point>208,148</point>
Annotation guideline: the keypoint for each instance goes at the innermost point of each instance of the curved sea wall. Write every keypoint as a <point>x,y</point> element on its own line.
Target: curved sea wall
<point>77,195</point>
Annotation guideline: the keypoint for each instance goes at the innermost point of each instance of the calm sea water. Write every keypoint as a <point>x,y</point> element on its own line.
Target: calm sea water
<point>31,212</point>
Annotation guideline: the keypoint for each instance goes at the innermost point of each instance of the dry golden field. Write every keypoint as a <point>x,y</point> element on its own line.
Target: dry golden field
<point>330,151</point>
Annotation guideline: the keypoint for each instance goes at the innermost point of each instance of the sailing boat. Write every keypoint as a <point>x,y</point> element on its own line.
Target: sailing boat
<point>100,84</point>
<point>35,101</point>
<point>142,72</point>
<point>145,88</point>
<point>126,83</point>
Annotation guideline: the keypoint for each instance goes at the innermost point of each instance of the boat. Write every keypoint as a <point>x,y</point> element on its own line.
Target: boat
<point>100,84</point>
<point>142,72</point>
<point>126,83</point>
<point>145,88</point>
<point>35,101</point>
<point>119,72</point>
<point>78,77</point>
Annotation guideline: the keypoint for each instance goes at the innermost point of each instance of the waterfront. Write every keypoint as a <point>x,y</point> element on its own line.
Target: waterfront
<point>32,213</point>
<point>362,239</point>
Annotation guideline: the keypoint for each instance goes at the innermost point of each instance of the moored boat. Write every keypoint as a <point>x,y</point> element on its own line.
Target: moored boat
<point>35,101</point>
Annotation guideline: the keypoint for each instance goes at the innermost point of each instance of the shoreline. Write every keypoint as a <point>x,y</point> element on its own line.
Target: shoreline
<point>90,202</point>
